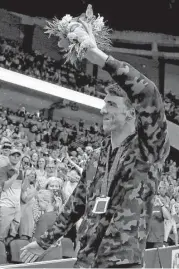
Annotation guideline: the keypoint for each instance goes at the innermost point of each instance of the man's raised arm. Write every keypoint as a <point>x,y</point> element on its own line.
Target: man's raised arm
<point>147,101</point>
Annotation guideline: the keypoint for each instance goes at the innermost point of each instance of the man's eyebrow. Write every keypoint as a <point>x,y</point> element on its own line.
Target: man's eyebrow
<point>110,102</point>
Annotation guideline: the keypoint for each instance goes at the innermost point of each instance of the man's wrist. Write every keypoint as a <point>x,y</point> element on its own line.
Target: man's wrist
<point>97,56</point>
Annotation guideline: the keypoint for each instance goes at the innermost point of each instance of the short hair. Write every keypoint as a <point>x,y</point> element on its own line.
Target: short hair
<point>50,163</point>
<point>116,90</point>
<point>26,156</point>
<point>31,171</point>
<point>54,179</point>
<point>162,185</point>
<point>46,195</point>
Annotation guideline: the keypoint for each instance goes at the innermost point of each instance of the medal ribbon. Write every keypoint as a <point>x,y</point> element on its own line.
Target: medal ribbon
<point>110,175</point>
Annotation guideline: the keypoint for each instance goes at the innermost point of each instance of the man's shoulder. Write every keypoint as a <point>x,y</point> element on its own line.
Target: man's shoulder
<point>4,172</point>
<point>5,167</point>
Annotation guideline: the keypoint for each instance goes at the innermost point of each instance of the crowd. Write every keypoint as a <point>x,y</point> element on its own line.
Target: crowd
<point>41,66</point>
<point>172,107</point>
<point>41,160</point>
<point>165,218</point>
<point>41,163</point>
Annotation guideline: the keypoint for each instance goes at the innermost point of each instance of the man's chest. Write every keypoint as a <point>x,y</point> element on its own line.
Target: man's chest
<point>103,178</point>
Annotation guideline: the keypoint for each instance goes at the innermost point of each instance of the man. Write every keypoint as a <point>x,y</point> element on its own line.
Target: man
<point>70,184</point>
<point>10,196</point>
<point>116,205</point>
<point>10,129</point>
<point>156,231</point>
<point>4,156</point>
<point>32,133</point>
<point>55,155</point>
<point>51,169</point>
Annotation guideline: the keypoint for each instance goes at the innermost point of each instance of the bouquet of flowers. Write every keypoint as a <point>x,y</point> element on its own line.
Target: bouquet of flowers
<point>71,33</point>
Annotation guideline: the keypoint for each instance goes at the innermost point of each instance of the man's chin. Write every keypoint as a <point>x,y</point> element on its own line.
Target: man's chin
<point>106,129</point>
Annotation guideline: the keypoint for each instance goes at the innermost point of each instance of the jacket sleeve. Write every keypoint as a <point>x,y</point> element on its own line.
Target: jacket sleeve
<point>150,113</point>
<point>3,176</point>
<point>72,212</point>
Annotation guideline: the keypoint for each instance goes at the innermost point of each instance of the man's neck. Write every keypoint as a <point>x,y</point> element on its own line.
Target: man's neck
<point>118,137</point>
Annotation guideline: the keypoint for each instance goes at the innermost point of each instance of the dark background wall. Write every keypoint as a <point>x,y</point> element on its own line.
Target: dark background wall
<point>144,15</point>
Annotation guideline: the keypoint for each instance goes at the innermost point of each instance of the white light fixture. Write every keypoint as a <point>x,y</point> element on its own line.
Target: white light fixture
<point>49,88</point>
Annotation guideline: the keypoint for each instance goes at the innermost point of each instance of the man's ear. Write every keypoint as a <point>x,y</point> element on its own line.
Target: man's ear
<point>130,114</point>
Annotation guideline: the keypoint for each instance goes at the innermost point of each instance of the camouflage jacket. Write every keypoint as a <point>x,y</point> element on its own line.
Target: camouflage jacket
<point>119,235</point>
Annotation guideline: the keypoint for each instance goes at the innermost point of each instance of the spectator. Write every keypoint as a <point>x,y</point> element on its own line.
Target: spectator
<point>55,155</point>
<point>70,184</point>
<point>25,163</point>
<point>47,204</point>
<point>41,173</point>
<point>29,190</point>
<point>51,169</point>
<point>156,231</point>
<point>10,196</point>
<point>5,151</point>
<point>34,159</point>
<point>54,184</point>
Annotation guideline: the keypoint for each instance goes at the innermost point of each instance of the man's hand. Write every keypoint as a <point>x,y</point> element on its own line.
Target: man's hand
<point>90,37</point>
<point>16,172</point>
<point>83,33</point>
<point>93,54</point>
<point>31,191</point>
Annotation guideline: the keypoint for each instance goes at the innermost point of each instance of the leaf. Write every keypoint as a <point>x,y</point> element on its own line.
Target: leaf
<point>89,12</point>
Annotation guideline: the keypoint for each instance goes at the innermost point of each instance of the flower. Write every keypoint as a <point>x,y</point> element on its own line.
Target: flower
<point>74,38</point>
<point>98,24</point>
<point>63,23</point>
<point>67,18</point>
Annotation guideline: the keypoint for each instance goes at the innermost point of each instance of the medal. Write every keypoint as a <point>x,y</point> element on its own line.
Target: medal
<point>101,205</point>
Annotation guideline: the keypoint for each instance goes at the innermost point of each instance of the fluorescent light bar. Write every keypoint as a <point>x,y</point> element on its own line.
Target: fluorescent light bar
<point>49,88</point>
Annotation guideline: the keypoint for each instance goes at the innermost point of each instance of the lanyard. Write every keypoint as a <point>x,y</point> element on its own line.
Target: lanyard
<point>109,175</point>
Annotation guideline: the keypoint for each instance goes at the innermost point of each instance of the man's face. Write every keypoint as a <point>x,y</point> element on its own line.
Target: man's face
<point>80,151</point>
<point>19,146</point>
<point>31,176</point>
<point>171,190</point>
<point>42,204</point>
<point>114,113</point>
<point>54,154</point>
<point>26,163</point>
<point>6,152</point>
<point>44,145</point>
<point>33,145</point>
<point>41,162</point>
<point>14,158</point>
<point>35,157</point>
<point>5,123</point>
<point>163,191</point>
<point>54,186</point>
<point>50,168</point>
<point>11,127</point>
